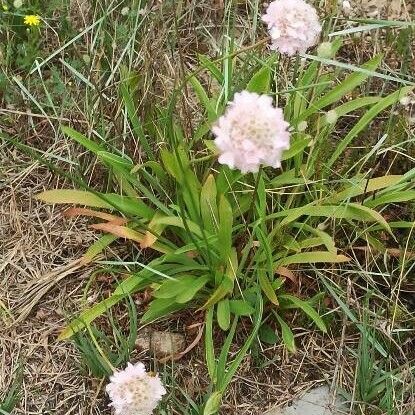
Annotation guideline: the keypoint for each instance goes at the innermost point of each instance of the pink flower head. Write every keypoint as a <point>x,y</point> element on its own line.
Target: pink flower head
<point>293,26</point>
<point>252,132</point>
<point>134,392</point>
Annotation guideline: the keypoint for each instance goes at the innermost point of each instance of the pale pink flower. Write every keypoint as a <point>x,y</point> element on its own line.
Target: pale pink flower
<point>251,133</point>
<point>293,26</point>
<point>133,391</point>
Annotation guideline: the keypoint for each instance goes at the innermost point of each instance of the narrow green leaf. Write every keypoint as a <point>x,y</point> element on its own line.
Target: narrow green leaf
<point>223,314</point>
<point>287,334</point>
<point>72,196</point>
<point>338,92</point>
<point>172,288</point>
<point>132,113</point>
<point>225,228</point>
<point>395,197</point>
<point>297,147</point>
<point>159,308</point>
<point>303,305</point>
<point>209,345</point>
<point>208,205</point>
<point>97,247</point>
<point>81,139</point>
<point>191,291</point>
<point>313,257</point>
<point>267,334</point>
<point>225,287</point>
<point>211,67</point>
<point>267,288</point>
<point>365,120</point>
<point>213,404</point>
<point>87,316</point>
<point>203,98</point>
<point>241,308</point>
<point>114,160</point>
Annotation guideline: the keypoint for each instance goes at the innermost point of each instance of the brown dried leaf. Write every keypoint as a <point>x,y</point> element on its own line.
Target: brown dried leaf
<point>115,220</point>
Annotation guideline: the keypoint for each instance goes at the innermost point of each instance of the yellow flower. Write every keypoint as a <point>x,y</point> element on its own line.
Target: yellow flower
<point>32,20</point>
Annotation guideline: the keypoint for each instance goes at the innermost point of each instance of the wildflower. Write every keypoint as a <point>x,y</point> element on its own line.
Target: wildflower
<point>32,20</point>
<point>331,117</point>
<point>17,4</point>
<point>133,391</point>
<point>302,126</point>
<point>252,132</point>
<point>293,26</point>
<point>125,10</point>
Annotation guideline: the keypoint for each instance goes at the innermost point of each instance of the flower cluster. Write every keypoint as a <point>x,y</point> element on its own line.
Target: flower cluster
<point>133,391</point>
<point>252,132</point>
<point>293,26</point>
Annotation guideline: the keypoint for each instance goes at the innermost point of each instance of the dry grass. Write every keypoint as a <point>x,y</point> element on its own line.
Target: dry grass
<point>39,282</point>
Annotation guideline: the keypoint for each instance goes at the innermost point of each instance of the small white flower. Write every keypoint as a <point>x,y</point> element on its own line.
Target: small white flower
<point>302,126</point>
<point>252,132</point>
<point>125,10</point>
<point>134,392</point>
<point>293,26</point>
<point>331,117</point>
<point>17,4</point>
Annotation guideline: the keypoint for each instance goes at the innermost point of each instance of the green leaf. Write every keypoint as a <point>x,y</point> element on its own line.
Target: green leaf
<point>303,305</point>
<point>172,288</point>
<point>356,69</point>
<point>126,205</point>
<point>223,314</point>
<point>267,288</point>
<point>132,113</point>
<point>261,80</point>
<point>225,228</point>
<point>313,257</point>
<point>362,186</point>
<point>87,316</point>
<point>297,147</point>
<point>209,345</point>
<point>81,139</point>
<point>191,291</point>
<point>267,334</point>
<point>70,196</point>
<point>351,211</point>
<point>114,160</point>
<point>241,308</point>
<point>159,308</point>
<point>225,287</point>
<point>208,205</point>
<point>355,104</point>
<point>364,121</point>
<point>213,404</point>
<point>230,373</point>
<point>287,334</point>
<point>211,67</point>
<point>395,197</point>
<point>338,92</point>
<point>97,247</point>
<point>203,98</point>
